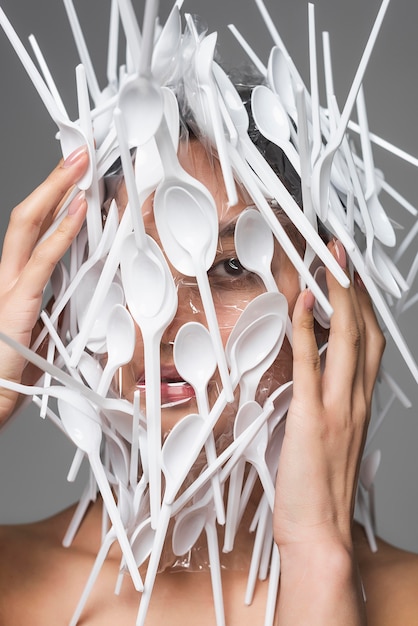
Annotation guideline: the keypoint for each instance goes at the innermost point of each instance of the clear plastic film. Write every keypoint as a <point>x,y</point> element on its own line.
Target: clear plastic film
<point>175,313</point>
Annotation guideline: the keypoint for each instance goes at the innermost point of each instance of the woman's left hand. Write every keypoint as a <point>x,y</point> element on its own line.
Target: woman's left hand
<point>325,429</point>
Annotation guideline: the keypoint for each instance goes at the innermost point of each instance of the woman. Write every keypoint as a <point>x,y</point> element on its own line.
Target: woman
<point>325,559</point>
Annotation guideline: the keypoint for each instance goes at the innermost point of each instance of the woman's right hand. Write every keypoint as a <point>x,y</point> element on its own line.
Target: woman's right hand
<point>26,266</point>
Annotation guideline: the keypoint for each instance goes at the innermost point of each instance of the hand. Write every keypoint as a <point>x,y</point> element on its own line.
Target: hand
<point>328,416</point>
<point>318,470</point>
<point>26,266</point>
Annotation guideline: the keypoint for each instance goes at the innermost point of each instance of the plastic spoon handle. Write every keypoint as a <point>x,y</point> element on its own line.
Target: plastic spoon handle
<point>95,571</point>
<point>215,572</point>
<point>94,214</point>
<point>112,48</point>
<point>272,593</point>
<point>147,44</point>
<point>128,171</point>
<point>160,535</point>
<point>322,169</point>
<point>30,67</point>
<point>209,309</point>
<point>82,49</point>
<point>153,415</point>
<point>114,516</point>
<point>47,75</point>
<point>131,28</point>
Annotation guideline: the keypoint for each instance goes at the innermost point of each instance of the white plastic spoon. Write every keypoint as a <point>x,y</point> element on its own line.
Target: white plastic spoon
<point>120,344</point>
<point>254,344</point>
<point>280,80</point>
<point>273,122</point>
<point>97,337</point>
<point>322,168</point>
<point>383,228</point>
<point>188,527</point>
<point>254,244</point>
<point>71,136</point>
<point>152,300</point>
<point>195,361</point>
<point>256,450</point>
<point>148,166</point>
<point>240,118</point>
<point>125,511</point>
<point>101,250</point>
<point>177,457</point>
<point>87,435</point>
<point>166,47</point>
<point>250,353</point>
<point>206,96</point>
<point>141,541</point>
<point>140,98</point>
<point>187,222</point>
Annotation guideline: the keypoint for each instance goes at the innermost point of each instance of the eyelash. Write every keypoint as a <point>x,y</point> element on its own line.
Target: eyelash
<point>228,273</point>
<point>232,266</point>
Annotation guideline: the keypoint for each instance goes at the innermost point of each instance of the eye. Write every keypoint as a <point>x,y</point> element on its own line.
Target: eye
<point>228,269</point>
<point>233,267</point>
<point>228,273</point>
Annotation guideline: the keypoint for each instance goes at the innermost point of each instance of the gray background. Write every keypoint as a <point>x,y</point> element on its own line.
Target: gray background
<point>34,457</point>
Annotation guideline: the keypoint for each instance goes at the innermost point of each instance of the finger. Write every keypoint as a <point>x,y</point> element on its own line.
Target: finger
<point>306,361</point>
<point>28,217</point>
<point>374,340</point>
<point>46,255</point>
<point>344,339</point>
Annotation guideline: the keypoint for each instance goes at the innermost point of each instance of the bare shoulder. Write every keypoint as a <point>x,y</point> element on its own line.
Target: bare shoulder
<point>34,566</point>
<point>390,579</point>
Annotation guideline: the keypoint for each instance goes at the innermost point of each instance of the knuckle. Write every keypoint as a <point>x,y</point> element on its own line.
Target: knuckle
<point>378,341</point>
<point>22,215</point>
<point>361,410</point>
<point>310,357</point>
<point>354,335</point>
<point>41,257</point>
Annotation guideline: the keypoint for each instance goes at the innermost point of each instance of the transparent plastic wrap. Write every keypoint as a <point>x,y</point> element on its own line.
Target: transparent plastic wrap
<point>170,342</point>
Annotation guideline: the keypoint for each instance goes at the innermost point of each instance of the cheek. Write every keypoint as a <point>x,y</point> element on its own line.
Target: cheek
<point>231,302</point>
<point>287,279</point>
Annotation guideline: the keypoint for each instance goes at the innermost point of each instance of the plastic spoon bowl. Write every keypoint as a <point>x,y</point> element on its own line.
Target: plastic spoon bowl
<point>280,80</point>
<point>256,449</point>
<point>187,222</point>
<point>152,300</point>
<point>273,122</point>
<point>87,435</point>
<point>120,344</point>
<point>140,98</point>
<point>195,361</point>
<point>96,341</point>
<point>166,47</point>
<point>176,459</point>
<point>188,527</point>
<point>254,244</point>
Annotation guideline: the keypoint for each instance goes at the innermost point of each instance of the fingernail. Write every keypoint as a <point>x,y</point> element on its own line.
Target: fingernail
<point>359,282</point>
<point>75,156</point>
<point>309,300</point>
<point>76,203</point>
<point>340,254</point>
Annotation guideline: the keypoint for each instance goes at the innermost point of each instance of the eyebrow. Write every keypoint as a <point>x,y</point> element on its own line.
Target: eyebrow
<point>228,230</point>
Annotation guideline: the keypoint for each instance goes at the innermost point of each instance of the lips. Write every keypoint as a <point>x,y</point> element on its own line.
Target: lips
<point>174,390</point>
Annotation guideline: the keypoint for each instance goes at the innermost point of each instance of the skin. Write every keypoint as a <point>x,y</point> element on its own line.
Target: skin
<point>322,554</point>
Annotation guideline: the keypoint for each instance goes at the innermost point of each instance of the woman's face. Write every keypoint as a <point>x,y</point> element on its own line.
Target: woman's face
<point>232,288</point>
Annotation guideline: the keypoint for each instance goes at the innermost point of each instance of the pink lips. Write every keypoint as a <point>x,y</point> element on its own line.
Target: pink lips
<point>173,389</point>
